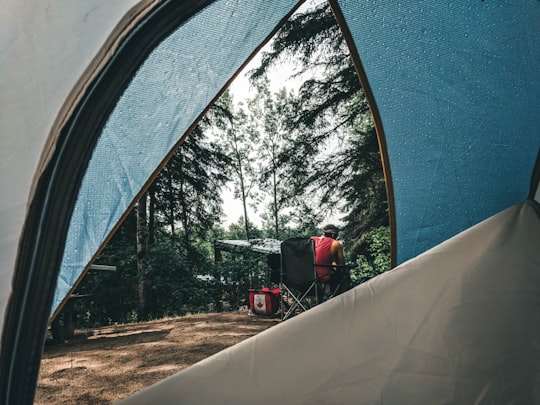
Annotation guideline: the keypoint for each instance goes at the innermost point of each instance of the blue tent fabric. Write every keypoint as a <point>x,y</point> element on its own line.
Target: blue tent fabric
<point>456,85</point>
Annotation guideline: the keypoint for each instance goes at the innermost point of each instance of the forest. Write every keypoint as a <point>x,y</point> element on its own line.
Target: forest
<point>295,158</point>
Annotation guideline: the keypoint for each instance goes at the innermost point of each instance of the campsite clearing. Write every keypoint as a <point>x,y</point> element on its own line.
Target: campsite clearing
<point>104,365</point>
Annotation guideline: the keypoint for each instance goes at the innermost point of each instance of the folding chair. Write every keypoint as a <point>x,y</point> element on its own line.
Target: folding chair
<point>299,283</point>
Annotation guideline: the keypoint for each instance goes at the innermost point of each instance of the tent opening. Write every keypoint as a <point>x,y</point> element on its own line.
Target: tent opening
<point>293,135</point>
<point>91,112</point>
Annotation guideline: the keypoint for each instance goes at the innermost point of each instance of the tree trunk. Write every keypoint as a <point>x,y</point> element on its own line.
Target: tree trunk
<point>246,222</point>
<point>142,254</point>
<point>171,205</point>
<point>151,216</point>
<point>275,192</point>
<point>244,197</point>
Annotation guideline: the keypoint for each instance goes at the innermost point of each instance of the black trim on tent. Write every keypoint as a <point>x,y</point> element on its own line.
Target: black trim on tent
<point>45,230</point>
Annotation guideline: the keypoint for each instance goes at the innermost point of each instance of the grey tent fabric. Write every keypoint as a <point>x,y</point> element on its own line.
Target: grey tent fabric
<point>46,49</point>
<point>459,324</point>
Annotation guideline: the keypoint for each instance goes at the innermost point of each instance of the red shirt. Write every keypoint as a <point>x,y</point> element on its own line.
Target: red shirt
<point>323,255</point>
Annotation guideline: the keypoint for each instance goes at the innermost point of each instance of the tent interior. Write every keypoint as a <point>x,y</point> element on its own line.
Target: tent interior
<point>454,91</point>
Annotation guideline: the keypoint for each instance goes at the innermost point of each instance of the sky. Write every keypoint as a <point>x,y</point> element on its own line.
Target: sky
<point>279,77</point>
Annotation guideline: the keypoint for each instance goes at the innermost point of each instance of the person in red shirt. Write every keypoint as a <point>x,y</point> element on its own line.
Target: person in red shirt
<point>329,255</point>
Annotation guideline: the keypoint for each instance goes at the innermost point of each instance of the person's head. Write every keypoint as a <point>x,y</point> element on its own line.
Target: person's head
<point>331,231</point>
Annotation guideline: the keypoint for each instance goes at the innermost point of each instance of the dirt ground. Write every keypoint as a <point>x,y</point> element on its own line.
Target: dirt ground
<point>104,365</point>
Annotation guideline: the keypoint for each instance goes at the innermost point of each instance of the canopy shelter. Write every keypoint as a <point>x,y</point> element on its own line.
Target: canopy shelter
<point>265,246</point>
<point>96,94</point>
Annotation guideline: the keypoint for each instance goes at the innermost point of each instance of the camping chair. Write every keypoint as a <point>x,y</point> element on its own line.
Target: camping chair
<point>299,283</point>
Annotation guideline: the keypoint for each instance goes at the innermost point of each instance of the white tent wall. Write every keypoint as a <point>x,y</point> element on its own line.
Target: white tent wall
<point>45,51</point>
<point>458,324</point>
<point>49,55</point>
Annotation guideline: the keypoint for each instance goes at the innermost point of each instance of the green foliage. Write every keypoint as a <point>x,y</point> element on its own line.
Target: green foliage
<point>111,295</point>
<point>376,260</point>
<point>362,187</point>
<point>237,274</point>
<point>175,286</point>
<point>236,230</point>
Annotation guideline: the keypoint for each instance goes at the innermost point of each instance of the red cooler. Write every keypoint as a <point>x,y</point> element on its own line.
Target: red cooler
<point>264,302</point>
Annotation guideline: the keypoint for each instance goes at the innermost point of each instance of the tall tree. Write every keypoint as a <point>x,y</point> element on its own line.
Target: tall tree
<point>142,253</point>
<point>185,202</point>
<point>190,184</point>
<point>269,114</point>
<point>188,205</point>
<point>194,177</point>
<point>240,146</point>
<point>329,106</point>
<point>362,187</point>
